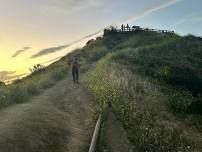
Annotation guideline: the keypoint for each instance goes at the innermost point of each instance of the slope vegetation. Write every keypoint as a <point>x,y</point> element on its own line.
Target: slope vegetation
<point>152,81</point>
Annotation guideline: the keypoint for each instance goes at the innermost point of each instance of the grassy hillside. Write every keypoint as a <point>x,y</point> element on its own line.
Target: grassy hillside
<point>21,90</point>
<point>152,81</point>
<point>176,64</point>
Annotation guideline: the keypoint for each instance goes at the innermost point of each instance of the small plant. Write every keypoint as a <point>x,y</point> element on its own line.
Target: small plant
<point>2,84</point>
<point>181,101</point>
<point>36,68</point>
<point>3,97</point>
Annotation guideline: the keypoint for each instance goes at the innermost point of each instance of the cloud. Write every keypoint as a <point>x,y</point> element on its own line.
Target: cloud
<point>49,50</point>
<point>17,53</point>
<point>150,9</point>
<point>62,47</point>
<point>10,75</point>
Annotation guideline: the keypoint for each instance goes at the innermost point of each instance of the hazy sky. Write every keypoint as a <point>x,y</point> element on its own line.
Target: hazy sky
<point>50,26</point>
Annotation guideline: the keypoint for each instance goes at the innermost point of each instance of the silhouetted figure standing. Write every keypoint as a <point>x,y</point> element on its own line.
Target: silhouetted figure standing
<point>128,27</point>
<point>75,70</point>
<point>122,27</point>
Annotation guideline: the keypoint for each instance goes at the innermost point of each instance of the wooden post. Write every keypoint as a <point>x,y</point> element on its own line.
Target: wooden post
<point>95,136</point>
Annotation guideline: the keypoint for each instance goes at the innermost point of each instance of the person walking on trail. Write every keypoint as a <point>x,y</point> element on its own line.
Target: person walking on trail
<point>75,71</point>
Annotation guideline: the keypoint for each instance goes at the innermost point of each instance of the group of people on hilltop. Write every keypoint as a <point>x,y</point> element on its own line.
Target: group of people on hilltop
<point>123,27</point>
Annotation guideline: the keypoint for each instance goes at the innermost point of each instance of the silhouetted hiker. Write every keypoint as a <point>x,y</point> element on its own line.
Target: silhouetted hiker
<point>128,27</point>
<point>122,27</point>
<point>75,70</point>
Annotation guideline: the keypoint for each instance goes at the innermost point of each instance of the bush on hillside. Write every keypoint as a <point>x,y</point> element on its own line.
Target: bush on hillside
<point>18,93</point>
<point>2,84</point>
<point>33,87</point>
<point>36,68</point>
<point>180,101</point>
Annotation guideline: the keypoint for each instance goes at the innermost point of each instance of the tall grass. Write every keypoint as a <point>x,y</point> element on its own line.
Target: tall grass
<point>141,108</point>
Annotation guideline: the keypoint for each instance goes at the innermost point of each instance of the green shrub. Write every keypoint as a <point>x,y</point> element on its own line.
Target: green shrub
<point>180,101</point>
<point>196,106</point>
<point>32,87</point>
<point>2,84</point>
<point>18,93</point>
<point>3,96</point>
<point>37,68</point>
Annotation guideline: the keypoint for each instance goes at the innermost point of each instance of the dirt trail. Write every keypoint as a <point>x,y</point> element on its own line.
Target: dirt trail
<point>58,120</point>
<point>116,136</point>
